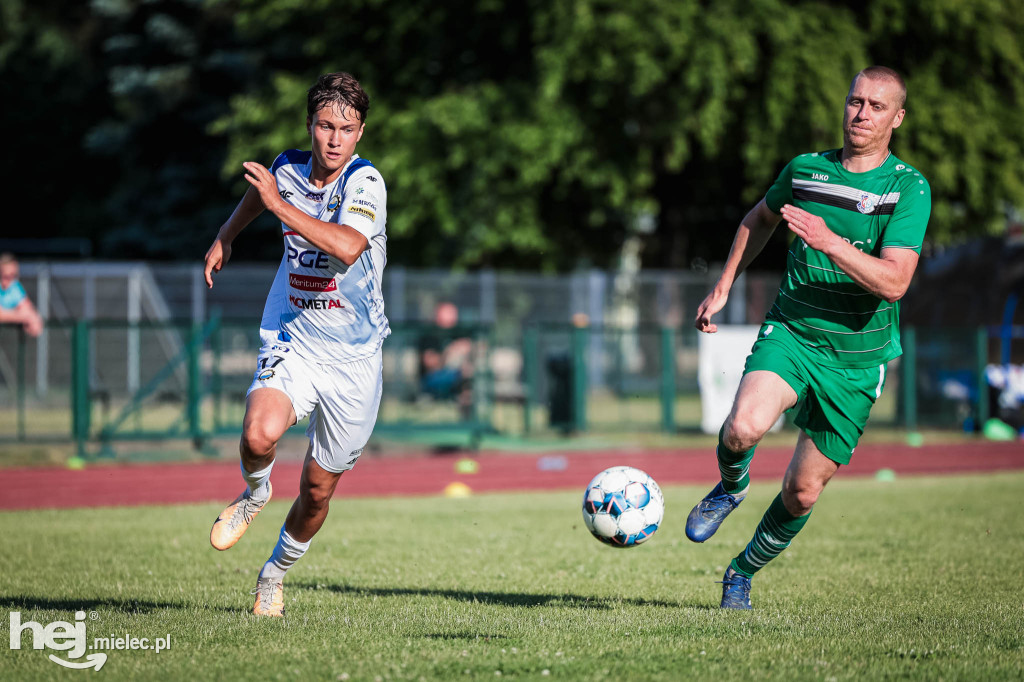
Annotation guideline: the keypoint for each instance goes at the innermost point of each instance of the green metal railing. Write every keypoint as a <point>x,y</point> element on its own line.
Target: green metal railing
<point>207,400</point>
<point>611,379</point>
<point>908,365</point>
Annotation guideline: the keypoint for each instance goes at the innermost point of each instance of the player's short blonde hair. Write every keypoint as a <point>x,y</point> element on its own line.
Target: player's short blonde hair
<point>884,73</point>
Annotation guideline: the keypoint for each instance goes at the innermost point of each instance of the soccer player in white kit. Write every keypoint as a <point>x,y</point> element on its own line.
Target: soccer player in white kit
<point>323,324</point>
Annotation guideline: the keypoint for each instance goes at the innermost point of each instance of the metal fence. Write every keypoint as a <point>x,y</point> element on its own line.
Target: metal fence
<point>137,350</point>
<point>136,291</point>
<point>188,380</point>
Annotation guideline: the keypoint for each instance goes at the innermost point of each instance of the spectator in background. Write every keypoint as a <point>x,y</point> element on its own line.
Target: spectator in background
<point>15,306</point>
<point>446,359</point>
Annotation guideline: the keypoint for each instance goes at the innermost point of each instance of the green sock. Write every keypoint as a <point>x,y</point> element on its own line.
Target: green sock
<point>777,529</point>
<point>734,467</point>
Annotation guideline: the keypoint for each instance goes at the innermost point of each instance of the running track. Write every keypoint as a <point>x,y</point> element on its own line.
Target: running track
<point>135,484</point>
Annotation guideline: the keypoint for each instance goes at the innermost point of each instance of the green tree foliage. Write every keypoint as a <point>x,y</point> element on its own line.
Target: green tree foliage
<point>170,67</point>
<point>107,106</point>
<point>524,134</point>
<point>964,63</point>
<point>542,134</point>
<point>48,82</point>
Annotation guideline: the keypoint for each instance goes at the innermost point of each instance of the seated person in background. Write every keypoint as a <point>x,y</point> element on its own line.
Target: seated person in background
<point>446,359</point>
<point>15,306</point>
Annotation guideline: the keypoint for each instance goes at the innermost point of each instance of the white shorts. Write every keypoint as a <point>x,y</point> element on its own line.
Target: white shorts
<point>341,400</point>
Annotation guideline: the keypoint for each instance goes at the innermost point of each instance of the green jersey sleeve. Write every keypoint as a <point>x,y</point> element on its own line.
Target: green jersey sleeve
<point>781,192</point>
<point>910,217</point>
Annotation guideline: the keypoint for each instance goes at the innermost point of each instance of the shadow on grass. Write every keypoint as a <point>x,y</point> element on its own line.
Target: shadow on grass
<point>498,598</point>
<point>129,606</point>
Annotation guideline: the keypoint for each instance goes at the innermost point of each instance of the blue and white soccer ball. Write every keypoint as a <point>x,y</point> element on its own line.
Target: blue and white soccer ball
<point>623,506</point>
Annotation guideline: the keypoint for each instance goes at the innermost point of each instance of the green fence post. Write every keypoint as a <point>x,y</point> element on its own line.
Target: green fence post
<point>668,379</point>
<point>529,376</point>
<point>134,329</point>
<point>216,379</point>
<point>20,394</point>
<point>618,378</point>
<point>983,406</point>
<point>80,408</point>
<point>482,392</point>
<point>195,389</point>
<point>580,336</point>
<point>909,378</point>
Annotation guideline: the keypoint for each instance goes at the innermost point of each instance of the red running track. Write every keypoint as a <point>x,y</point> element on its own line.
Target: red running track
<point>135,484</point>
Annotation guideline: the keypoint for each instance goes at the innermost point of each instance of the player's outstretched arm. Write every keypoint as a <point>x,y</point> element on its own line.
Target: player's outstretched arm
<point>753,233</point>
<point>887,277</point>
<point>220,251</point>
<point>341,241</point>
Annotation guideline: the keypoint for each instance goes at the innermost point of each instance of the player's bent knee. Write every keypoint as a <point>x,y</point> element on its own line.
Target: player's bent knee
<point>799,500</point>
<point>257,441</point>
<point>742,433</point>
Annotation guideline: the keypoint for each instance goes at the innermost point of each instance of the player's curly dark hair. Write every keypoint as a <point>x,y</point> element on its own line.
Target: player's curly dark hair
<point>337,89</point>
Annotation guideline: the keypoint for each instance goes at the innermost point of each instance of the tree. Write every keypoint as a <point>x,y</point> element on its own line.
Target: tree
<point>528,135</point>
<point>964,64</point>
<point>108,105</point>
<point>170,67</point>
<point>47,79</point>
<point>546,132</point>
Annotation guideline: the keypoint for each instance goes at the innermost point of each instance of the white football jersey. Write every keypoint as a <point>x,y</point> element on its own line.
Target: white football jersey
<point>319,307</point>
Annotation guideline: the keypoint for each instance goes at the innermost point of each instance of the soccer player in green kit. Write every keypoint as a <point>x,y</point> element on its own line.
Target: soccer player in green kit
<point>858,215</point>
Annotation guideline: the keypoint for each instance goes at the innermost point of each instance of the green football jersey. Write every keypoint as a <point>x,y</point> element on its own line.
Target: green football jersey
<point>887,207</point>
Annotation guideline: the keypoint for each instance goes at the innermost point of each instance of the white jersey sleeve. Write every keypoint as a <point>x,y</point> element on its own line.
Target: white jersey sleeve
<point>364,207</point>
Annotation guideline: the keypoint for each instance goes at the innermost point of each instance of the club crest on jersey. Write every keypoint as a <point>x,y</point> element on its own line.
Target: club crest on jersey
<point>334,203</point>
<point>867,202</point>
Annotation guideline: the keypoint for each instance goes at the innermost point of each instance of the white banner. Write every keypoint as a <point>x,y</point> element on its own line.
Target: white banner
<point>721,357</point>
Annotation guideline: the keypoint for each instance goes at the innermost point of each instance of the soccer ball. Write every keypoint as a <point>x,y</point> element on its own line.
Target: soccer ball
<point>623,506</point>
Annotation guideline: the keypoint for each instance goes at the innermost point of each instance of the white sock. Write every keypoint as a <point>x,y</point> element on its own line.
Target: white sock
<point>741,494</point>
<point>286,553</point>
<point>258,482</point>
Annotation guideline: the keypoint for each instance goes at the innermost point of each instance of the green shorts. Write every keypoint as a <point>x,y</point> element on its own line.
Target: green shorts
<point>835,401</point>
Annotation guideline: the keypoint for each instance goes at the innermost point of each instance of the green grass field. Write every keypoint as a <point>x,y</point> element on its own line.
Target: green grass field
<point>918,579</point>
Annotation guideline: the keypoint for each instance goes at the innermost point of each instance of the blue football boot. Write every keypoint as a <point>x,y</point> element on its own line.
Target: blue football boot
<point>707,516</point>
<point>735,590</point>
